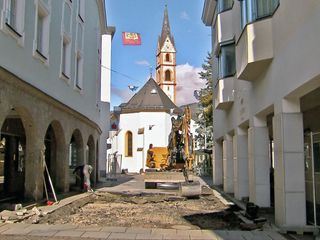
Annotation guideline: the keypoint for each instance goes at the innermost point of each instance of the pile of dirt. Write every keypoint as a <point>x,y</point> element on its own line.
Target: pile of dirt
<point>156,211</point>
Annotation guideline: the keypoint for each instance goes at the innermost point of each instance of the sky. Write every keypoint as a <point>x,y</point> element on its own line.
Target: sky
<point>131,64</point>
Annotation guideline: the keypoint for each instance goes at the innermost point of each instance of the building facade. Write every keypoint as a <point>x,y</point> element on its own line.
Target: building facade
<point>144,120</point>
<point>267,102</point>
<point>166,60</point>
<point>51,101</point>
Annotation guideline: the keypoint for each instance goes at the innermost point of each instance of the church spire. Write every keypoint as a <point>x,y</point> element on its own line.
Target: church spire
<point>166,32</point>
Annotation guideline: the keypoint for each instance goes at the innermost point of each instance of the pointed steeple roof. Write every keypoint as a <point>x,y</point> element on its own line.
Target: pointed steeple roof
<point>165,29</point>
<point>150,98</point>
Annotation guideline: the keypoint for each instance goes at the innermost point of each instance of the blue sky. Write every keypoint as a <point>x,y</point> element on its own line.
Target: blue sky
<point>192,41</point>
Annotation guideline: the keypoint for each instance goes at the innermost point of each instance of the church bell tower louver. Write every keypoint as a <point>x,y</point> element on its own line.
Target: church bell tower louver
<point>166,60</point>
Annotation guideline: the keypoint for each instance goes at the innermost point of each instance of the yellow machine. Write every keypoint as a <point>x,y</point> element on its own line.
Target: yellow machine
<point>180,153</point>
<point>157,157</point>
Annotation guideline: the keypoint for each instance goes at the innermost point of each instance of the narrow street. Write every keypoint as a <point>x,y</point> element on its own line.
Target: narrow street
<point>124,209</point>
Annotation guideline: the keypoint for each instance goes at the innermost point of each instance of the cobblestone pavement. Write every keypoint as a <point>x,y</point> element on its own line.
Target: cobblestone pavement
<point>70,232</point>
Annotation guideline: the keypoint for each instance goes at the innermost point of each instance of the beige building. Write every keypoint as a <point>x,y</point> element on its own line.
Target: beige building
<point>267,104</point>
<point>50,93</point>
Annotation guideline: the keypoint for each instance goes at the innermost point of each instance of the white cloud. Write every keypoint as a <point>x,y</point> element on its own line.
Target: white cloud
<point>184,15</point>
<point>188,80</point>
<point>123,94</point>
<point>142,63</point>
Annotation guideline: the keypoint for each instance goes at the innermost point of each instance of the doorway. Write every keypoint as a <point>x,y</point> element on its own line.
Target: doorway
<point>312,176</point>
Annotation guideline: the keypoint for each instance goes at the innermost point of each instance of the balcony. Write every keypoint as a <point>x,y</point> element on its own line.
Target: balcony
<point>254,50</point>
<point>224,93</point>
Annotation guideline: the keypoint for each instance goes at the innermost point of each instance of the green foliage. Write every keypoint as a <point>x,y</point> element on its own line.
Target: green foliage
<point>205,116</point>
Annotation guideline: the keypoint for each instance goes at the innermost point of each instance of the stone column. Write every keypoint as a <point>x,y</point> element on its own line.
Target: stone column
<point>228,165</point>
<point>34,168</point>
<point>217,166</point>
<point>290,198</point>
<point>240,158</point>
<point>259,166</point>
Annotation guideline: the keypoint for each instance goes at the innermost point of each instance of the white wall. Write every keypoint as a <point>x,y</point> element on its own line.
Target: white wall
<point>106,67</point>
<point>158,136</point>
<point>20,61</point>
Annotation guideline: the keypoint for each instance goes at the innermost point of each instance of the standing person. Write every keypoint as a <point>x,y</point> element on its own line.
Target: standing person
<point>87,170</point>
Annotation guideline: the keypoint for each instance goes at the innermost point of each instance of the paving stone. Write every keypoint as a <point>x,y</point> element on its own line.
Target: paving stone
<point>143,236</point>
<point>183,232</point>
<point>195,232</point>
<point>138,230</point>
<point>181,227</point>
<point>122,236</point>
<point>62,227</point>
<point>176,237</point>
<point>68,233</point>
<point>88,229</point>
<point>114,229</point>
<point>163,231</point>
<point>4,228</point>
<point>274,235</point>
<point>204,237</point>
<point>43,233</point>
<point>16,231</point>
<point>101,235</point>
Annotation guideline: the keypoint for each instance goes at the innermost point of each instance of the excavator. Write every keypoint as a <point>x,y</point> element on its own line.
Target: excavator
<point>171,164</point>
<point>179,153</point>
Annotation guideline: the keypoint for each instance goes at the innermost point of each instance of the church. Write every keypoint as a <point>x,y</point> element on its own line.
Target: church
<point>146,118</point>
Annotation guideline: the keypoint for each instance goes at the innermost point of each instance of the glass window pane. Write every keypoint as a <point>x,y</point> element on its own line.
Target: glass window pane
<point>224,5</point>
<point>227,61</point>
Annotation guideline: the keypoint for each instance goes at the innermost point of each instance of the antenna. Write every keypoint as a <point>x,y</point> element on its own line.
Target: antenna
<point>151,69</point>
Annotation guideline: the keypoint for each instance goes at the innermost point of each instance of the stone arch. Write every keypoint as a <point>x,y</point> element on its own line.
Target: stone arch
<point>21,154</point>
<point>56,155</point>
<point>91,158</point>
<point>167,75</point>
<point>76,156</point>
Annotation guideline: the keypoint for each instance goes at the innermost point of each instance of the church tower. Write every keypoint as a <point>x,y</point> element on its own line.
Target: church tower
<point>166,60</point>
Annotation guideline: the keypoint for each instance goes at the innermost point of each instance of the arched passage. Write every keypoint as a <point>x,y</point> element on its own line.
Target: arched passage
<point>76,157</point>
<point>12,157</point>
<point>55,156</point>
<point>90,158</point>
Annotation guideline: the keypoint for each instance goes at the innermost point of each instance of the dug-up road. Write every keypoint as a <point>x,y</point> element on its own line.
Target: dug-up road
<point>125,210</point>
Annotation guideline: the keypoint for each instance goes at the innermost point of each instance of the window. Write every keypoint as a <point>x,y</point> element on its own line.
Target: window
<point>81,10</point>
<point>168,57</point>
<point>224,5</point>
<point>11,18</point>
<point>42,31</point>
<point>128,145</point>
<point>65,57</point>
<point>168,75</point>
<point>14,17</point>
<point>78,73</point>
<point>227,65</point>
<point>252,10</point>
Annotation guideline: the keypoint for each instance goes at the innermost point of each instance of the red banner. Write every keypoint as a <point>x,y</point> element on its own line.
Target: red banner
<point>129,38</point>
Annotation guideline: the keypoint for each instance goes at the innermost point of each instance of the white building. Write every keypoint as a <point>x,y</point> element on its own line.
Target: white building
<point>50,92</point>
<point>144,120</point>
<point>267,104</point>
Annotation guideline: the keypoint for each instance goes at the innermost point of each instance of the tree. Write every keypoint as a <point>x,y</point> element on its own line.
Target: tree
<point>205,116</point>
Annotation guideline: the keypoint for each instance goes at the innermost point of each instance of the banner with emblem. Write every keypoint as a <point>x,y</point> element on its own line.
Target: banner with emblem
<point>131,38</point>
